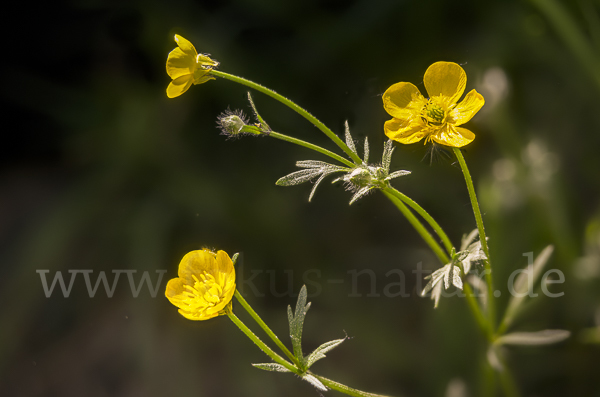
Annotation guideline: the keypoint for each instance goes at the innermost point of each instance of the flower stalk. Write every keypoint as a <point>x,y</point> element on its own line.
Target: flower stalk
<point>265,327</point>
<point>482,237</point>
<point>316,122</point>
<point>261,345</point>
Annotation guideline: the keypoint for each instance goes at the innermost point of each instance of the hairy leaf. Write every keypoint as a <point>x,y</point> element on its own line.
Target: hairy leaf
<point>297,322</point>
<point>320,351</point>
<point>349,140</point>
<point>397,174</point>
<point>298,177</point>
<point>272,367</point>
<point>314,381</point>
<point>360,193</point>
<point>386,159</point>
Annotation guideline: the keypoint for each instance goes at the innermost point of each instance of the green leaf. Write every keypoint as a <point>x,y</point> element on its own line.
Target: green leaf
<point>521,286</point>
<point>314,381</point>
<point>360,193</point>
<point>545,337</point>
<point>349,140</point>
<point>272,367</point>
<point>320,351</point>
<point>386,159</point>
<point>260,119</point>
<point>234,258</point>
<point>298,177</point>
<point>297,322</point>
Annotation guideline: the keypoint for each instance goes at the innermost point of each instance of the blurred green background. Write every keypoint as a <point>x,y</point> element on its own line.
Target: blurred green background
<point>101,171</point>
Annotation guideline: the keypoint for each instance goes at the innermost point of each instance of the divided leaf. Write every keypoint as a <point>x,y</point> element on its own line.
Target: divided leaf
<point>320,351</point>
<point>296,321</point>
<point>298,177</point>
<point>314,168</point>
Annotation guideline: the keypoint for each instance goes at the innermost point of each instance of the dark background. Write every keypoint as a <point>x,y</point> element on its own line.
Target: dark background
<point>101,171</point>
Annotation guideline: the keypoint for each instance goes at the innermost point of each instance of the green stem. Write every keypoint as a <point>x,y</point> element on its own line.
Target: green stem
<point>265,327</point>
<point>312,147</point>
<point>395,196</point>
<point>293,106</point>
<point>435,247</point>
<point>482,238</point>
<point>343,388</point>
<point>276,357</point>
<point>476,309</point>
<point>507,380</point>
<point>411,203</point>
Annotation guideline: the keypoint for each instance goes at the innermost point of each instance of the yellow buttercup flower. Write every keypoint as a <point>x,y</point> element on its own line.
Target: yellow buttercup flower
<point>438,117</point>
<point>205,285</point>
<point>186,67</point>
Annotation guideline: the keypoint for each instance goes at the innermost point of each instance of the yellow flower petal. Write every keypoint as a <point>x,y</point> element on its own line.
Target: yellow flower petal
<point>194,264</point>
<point>179,85</point>
<point>224,263</point>
<point>453,136</point>
<point>400,131</point>
<point>467,108</point>
<point>190,315</point>
<point>175,288</point>
<point>403,101</point>
<point>180,64</point>
<point>446,79</point>
<point>186,46</point>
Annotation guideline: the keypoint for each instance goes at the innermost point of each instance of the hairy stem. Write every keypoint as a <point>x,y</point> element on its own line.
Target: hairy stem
<point>343,388</point>
<point>424,233</point>
<point>265,327</point>
<point>312,147</point>
<point>479,220</point>
<point>268,351</point>
<point>411,203</point>
<point>316,122</point>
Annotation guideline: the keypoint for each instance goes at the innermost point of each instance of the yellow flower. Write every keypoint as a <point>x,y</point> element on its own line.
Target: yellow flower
<point>186,67</point>
<point>437,118</point>
<point>205,285</point>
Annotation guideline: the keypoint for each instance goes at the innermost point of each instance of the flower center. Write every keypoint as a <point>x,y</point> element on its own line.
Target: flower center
<point>205,293</point>
<point>434,113</point>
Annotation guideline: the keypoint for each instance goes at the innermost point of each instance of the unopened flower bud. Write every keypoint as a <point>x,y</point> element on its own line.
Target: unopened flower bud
<point>233,124</point>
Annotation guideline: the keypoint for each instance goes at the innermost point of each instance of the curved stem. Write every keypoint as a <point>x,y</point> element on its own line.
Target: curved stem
<point>276,357</point>
<point>435,247</point>
<point>482,238</point>
<point>265,327</point>
<point>411,203</point>
<point>330,134</point>
<point>343,388</point>
<point>312,147</point>
<point>472,302</point>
